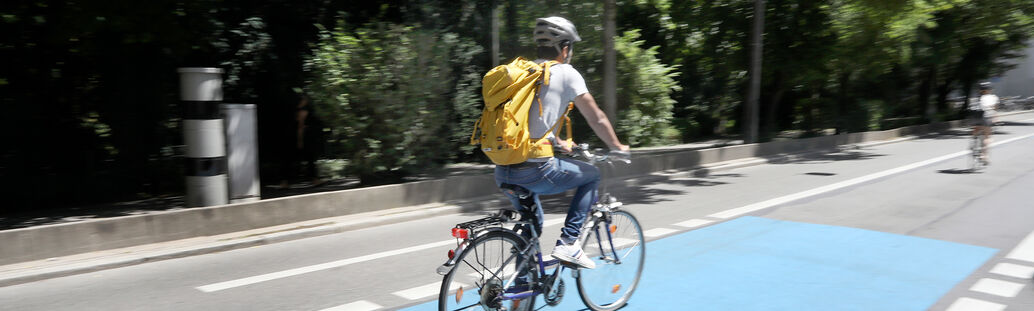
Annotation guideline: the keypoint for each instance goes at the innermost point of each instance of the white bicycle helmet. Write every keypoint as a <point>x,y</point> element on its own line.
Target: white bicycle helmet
<point>553,30</point>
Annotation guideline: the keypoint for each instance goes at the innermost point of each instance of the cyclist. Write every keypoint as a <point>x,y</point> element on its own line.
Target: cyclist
<point>555,37</point>
<point>982,126</point>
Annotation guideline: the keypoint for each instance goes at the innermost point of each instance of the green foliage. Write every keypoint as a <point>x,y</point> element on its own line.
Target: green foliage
<point>644,88</point>
<point>93,112</point>
<point>391,98</point>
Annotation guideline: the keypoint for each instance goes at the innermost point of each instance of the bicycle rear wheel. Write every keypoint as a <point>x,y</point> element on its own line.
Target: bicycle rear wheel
<point>618,247</point>
<point>974,154</point>
<point>482,275</point>
<point>977,150</point>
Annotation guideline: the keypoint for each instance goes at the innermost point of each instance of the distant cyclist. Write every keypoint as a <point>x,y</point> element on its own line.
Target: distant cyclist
<point>986,118</point>
<point>555,37</point>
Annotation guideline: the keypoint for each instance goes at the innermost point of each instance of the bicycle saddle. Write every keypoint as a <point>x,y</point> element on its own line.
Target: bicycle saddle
<point>515,190</point>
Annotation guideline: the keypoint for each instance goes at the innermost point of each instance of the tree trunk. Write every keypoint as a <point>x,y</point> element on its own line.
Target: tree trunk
<point>942,95</point>
<point>771,122</point>
<point>929,110</point>
<point>510,46</point>
<point>609,61</point>
<point>750,129</point>
<point>840,123</point>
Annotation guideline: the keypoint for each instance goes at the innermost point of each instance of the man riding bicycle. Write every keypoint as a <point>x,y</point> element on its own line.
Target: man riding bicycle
<point>555,37</point>
<point>986,118</point>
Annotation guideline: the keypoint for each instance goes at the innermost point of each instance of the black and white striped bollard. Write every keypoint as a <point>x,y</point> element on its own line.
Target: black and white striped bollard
<point>201,93</point>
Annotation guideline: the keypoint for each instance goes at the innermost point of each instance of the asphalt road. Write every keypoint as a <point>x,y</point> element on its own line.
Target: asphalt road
<point>900,226</point>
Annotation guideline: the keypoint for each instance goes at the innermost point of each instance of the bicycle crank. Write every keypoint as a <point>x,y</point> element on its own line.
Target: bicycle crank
<point>553,293</point>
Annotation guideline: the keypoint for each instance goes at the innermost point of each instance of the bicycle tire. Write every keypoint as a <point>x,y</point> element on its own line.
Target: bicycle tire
<point>610,285</point>
<point>974,153</point>
<point>479,274</point>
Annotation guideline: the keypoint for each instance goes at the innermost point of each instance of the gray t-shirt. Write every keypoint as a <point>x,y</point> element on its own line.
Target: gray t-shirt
<point>565,83</point>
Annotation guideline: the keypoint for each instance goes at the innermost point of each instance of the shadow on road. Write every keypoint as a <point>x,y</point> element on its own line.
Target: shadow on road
<point>958,171</point>
<point>826,157</point>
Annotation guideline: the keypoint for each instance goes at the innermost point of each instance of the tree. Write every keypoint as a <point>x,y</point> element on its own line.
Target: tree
<point>388,91</point>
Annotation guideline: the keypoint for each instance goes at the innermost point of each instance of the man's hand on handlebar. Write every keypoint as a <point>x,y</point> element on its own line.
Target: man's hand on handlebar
<point>566,146</point>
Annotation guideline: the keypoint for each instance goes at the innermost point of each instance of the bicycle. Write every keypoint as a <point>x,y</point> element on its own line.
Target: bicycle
<point>977,159</point>
<point>976,147</point>
<point>498,262</point>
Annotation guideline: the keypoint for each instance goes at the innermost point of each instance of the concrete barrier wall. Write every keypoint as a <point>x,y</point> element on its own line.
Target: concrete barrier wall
<point>20,245</point>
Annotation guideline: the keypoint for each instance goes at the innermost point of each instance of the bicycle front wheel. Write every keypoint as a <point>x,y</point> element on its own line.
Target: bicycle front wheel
<point>483,276</point>
<point>618,247</point>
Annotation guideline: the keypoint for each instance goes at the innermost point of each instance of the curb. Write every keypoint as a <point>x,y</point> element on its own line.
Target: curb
<point>103,260</point>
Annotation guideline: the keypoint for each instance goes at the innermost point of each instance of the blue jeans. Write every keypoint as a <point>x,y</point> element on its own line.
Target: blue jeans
<point>556,176</point>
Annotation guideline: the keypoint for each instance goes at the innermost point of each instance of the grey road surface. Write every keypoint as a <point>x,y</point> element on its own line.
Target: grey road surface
<point>917,188</point>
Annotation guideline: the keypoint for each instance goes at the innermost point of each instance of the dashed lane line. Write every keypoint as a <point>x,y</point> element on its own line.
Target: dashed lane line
<point>997,287</point>
<point>970,304</point>
<point>653,233</point>
<point>423,291</point>
<point>693,223</point>
<point>361,305</point>
<point>1013,270</point>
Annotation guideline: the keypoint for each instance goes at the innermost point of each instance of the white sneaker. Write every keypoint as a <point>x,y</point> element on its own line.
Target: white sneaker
<point>573,254</point>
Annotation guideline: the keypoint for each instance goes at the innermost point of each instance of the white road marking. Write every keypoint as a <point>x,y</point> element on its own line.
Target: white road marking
<point>361,305</point>
<point>851,182</point>
<point>1025,250</point>
<point>970,304</point>
<point>324,266</point>
<point>334,264</point>
<point>693,223</point>
<point>425,290</point>
<point>553,222</point>
<point>997,287</point>
<point>1013,270</point>
<point>652,233</point>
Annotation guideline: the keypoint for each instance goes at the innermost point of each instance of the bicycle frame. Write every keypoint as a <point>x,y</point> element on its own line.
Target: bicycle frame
<point>534,244</point>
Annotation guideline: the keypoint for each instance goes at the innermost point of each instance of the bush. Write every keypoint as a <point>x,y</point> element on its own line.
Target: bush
<point>644,91</point>
<point>389,95</point>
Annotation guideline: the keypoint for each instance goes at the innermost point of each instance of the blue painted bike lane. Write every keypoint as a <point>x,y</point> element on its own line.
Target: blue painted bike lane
<point>753,263</point>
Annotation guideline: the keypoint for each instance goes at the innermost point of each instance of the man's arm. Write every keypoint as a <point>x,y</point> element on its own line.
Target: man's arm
<point>598,121</point>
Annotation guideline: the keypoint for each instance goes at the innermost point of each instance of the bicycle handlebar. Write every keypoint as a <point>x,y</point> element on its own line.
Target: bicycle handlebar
<point>613,155</point>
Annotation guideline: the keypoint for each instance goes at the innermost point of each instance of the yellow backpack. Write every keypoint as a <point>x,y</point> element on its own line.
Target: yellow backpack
<point>509,91</point>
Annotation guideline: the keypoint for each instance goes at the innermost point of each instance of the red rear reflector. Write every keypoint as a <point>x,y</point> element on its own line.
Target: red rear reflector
<point>460,233</point>
<point>452,253</point>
